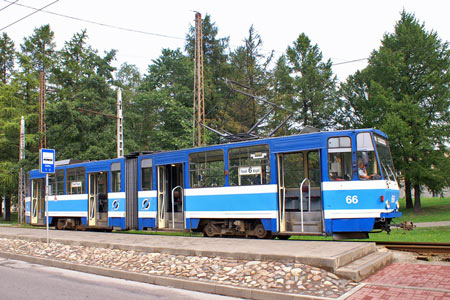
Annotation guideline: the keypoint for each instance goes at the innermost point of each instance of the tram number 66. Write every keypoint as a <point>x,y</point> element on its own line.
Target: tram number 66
<point>351,199</point>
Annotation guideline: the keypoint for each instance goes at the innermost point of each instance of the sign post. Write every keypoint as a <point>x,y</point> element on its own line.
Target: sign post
<point>46,165</point>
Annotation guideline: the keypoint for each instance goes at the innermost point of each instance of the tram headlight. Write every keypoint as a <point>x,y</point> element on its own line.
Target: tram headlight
<point>388,205</point>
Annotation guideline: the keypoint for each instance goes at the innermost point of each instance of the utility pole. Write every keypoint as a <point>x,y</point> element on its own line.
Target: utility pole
<point>119,124</point>
<point>42,129</point>
<point>22,181</point>
<point>198,117</point>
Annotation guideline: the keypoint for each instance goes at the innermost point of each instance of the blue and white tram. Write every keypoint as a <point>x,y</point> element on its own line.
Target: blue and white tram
<point>81,195</point>
<point>339,183</point>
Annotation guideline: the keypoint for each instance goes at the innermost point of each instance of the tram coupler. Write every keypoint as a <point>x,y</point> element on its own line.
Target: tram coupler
<point>405,225</point>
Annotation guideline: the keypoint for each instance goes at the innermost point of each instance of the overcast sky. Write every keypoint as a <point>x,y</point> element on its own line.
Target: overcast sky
<point>343,30</point>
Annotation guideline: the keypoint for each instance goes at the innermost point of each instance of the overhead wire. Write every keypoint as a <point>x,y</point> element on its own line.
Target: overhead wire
<point>8,5</point>
<point>98,23</point>
<point>350,61</point>
<point>112,26</point>
<point>36,11</point>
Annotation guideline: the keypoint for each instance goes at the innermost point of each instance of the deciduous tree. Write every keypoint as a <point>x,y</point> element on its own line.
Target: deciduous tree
<point>405,91</point>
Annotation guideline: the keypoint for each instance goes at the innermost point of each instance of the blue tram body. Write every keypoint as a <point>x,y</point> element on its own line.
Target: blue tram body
<point>338,183</point>
<point>77,192</point>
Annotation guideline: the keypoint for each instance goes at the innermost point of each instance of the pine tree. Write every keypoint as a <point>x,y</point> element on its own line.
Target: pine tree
<point>7,57</point>
<point>83,82</point>
<point>314,85</point>
<point>250,67</point>
<point>282,93</point>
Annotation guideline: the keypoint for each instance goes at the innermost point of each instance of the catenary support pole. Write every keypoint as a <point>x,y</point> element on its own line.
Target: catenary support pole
<point>119,124</point>
<point>22,179</point>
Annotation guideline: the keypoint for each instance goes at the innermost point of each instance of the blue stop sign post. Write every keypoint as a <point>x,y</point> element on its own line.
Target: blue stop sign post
<point>47,161</point>
<point>46,165</point>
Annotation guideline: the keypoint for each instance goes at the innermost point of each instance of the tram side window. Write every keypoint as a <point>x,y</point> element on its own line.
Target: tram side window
<point>56,183</point>
<point>249,165</point>
<point>147,178</point>
<point>366,158</point>
<point>340,158</point>
<point>207,169</point>
<point>116,179</point>
<point>76,180</point>
<point>147,174</point>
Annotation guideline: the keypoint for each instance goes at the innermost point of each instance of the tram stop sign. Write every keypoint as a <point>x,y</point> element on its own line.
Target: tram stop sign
<point>47,161</point>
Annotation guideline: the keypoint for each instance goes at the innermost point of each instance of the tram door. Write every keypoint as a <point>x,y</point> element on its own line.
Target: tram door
<point>98,199</point>
<point>37,201</point>
<point>170,196</point>
<point>162,196</point>
<point>300,206</point>
<point>281,194</point>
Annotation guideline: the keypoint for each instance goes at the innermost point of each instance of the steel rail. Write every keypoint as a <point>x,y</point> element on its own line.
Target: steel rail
<point>442,249</point>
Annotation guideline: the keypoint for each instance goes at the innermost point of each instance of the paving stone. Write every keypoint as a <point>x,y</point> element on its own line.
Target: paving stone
<point>268,275</point>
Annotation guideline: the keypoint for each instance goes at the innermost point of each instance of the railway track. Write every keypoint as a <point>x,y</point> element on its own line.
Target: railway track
<point>439,249</point>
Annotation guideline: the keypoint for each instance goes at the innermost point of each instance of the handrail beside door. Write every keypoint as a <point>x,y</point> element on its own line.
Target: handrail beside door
<point>173,205</point>
<point>301,199</point>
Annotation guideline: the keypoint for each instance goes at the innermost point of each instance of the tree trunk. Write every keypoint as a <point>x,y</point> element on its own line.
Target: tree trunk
<point>1,206</point>
<point>417,206</point>
<point>7,209</point>
<point>305,113</point>
<point>409,203</point>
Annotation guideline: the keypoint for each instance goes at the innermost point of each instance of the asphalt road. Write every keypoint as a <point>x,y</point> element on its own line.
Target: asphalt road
<point>21,280</point>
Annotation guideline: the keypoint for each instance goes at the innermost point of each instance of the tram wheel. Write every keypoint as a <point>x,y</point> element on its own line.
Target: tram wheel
<point>260,232</point>
<point>209,230</point>
<point>59,224</point>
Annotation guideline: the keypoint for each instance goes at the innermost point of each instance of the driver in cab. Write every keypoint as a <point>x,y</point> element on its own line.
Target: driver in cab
<point>362,171</point>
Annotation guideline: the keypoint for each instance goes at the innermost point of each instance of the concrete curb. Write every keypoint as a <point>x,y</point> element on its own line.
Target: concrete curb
<point>329,264</point>
<point>205,287</point>
<point>343,262</point>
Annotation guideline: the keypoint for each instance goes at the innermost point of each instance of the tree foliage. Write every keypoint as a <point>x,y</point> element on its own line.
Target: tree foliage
<point>405,91</point>
<point>250,67</point>
<point>162,108</point>
<point>314,84</point>
<point>7,57</point>
<point>83,80</point>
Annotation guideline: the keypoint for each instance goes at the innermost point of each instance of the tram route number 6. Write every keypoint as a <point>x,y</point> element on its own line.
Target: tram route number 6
<point>351,199</point>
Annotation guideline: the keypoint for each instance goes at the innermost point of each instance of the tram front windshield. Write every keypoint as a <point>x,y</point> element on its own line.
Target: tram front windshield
<point>384,154</point>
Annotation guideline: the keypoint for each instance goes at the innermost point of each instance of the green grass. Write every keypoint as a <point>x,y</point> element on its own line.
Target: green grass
<point>171,233</point>
<point>426,235</point>
<point>433,210</point>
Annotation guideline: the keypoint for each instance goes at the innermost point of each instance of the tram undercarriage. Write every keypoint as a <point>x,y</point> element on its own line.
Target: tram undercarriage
<point>230,227</point>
